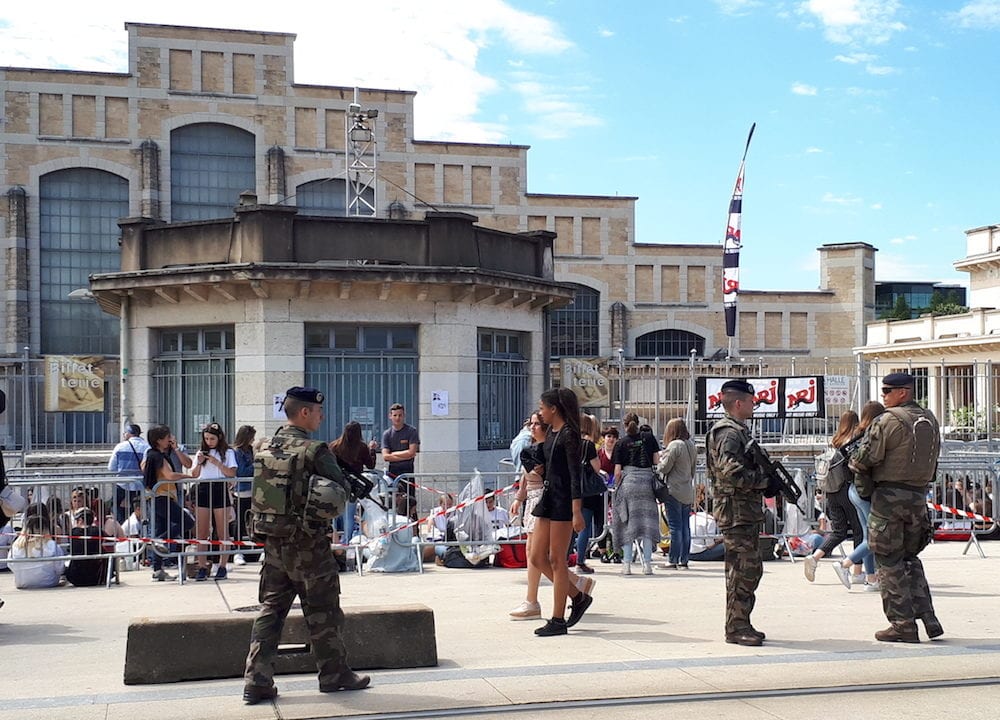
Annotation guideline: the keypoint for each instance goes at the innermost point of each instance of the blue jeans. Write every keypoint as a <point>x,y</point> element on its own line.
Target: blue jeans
<point>170,522</point>
<point>647,551</point>
<point>678,516</point>
<point>861,553</point>
<point>583,538</point>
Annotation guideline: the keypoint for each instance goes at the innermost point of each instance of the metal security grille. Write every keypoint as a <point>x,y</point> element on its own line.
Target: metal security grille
<point>193,382</point>
<point>503,385</point>
<point>327,197</point>
<point>78,229</point>
<point>574,330</point>
<point>210,165</point>
<point>362,370</point>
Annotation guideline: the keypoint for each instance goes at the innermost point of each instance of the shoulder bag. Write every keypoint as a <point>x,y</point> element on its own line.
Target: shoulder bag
<point>591,482</point>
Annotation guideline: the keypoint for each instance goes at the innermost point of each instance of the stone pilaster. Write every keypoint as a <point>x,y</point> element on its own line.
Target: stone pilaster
<point>276,189</point>
<point>149,162</point>
<point>15,285</point>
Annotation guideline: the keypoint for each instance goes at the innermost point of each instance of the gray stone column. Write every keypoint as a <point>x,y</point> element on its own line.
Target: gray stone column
<point>276,190</point>
<point>149,161</point>
<point>15,285</point>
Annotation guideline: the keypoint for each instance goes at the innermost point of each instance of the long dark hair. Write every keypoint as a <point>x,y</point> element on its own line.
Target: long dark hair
<point>157,433</point>
<point>350,443</point>
<point>565,402</point>
<point>244,437</point>
<point>222,446</point>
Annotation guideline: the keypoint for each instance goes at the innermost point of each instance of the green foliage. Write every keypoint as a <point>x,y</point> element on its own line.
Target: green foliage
<point>900,311</point>
<point>946,304</point>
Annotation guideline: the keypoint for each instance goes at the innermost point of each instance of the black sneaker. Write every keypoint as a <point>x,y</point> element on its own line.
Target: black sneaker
<point>579,606</point>
<point>555,626</point>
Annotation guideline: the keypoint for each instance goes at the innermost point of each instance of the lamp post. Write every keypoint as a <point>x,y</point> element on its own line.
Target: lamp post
<point>621,383</point>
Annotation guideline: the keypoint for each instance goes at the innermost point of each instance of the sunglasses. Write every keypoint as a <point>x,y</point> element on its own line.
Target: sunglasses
<point>887,390</point>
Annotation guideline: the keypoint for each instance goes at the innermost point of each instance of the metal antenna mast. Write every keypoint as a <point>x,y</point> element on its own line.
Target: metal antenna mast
<point>362,160</point>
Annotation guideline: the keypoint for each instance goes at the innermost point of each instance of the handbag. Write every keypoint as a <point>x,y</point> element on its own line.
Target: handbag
<point>660,488</point>
<point>591,482</point>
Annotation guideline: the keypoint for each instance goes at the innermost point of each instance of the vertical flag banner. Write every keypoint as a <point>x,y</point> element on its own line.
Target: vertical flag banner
<point>731,249</point>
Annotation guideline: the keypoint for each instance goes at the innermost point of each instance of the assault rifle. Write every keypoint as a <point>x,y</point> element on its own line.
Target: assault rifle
<point>778,478</point>
<point>361,486</point>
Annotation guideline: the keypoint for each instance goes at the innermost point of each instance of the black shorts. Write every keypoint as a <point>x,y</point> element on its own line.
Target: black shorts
<point>213,494</point>
<point>556,504</point>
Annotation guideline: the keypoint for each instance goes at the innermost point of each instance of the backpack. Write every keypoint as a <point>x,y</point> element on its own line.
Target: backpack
<point>925,443</point>
<point>831,470</point>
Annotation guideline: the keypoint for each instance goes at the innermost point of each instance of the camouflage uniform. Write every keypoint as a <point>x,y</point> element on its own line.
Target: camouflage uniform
<point>737,495</point>
<point>899,526</point>
<point>298,561</point>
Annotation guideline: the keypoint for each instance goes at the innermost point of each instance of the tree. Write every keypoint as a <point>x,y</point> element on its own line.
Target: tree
<point>900,311</point>
<point>946,305</point>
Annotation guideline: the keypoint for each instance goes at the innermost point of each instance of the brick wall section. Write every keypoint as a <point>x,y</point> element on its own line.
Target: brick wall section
<point>244,74</point>
<point>335,129</point>
<point>564,236</point>
<point>696,283</point>
<point>772,330</point>
<point>644,284</point>
<point>50,114</point>
<point>213,76</point>
<point>149,67</point>
<point>181,63</point>
<point>116,117</point>
<point>84,116</point>
<point>424,182</point>
<point>454,184</point>
<point>670,283</point>
<point>591,235</point>
<point>18,111</point>
<point>482,185</point>
<point>305,127</point>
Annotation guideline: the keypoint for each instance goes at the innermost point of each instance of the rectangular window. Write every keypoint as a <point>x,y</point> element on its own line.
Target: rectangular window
<point>503,385</point>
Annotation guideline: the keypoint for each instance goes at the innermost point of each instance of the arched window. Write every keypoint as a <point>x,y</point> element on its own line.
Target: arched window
<point>79,210</point>
<point>574,330</point>
<point>326,197</point>
<point>669,344</point>
<point>210,165</point>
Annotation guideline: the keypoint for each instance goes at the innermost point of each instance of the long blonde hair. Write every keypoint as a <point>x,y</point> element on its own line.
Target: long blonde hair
<point>676,429</point>
<point>33,537</point>
<point>846,429</point>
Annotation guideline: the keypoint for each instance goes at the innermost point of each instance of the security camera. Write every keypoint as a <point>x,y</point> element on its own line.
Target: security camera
<point>354,108</point>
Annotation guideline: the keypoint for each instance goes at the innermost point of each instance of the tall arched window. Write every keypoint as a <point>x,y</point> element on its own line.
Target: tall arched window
<point>325,197</point>
<point>79,210</point>
<point>574,330</point>
<point>210,165</point>
<point>669,344</point>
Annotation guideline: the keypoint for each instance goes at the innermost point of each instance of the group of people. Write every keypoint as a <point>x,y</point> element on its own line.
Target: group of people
<point>892,461</point>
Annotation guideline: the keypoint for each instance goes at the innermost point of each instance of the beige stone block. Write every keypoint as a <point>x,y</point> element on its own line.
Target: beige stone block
<point>748,329</point>
<point>423,175</point>
<point>564,236</point>
<point>116,117</point>
<point>84,116</point>
<point>538,222</point>
<point>335,130</point>
<point>482,185</point>
<point>454,184</point>
<point>395,132</point>
<point>17,111</point>
<point>772,331</point>
<point>590,232</point>
<point>670,283</point>
<point>213,72</point>
<point>798,329</point>
<point>644,284</point>
<point>50,114</point>
<point>274,75</point>
<point>696,283</point>
<point>149,67</point>
<point>244,74</point>
<point>618,234</point>
<point>507,223</point>
<point>181,64</point>
<point>510,186</point>
<point>305,127</point>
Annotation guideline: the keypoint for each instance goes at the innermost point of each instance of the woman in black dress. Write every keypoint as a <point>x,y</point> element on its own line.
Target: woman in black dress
<point>560,509</point>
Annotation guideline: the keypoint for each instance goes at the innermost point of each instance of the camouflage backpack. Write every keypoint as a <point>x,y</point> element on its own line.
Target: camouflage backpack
<point>284,498</point>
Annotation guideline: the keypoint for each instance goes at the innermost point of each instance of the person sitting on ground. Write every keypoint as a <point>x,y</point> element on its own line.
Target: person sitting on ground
<point>86,540</point>
<point>35,542</point>
<point>134,525</point>
<point>498,515</point>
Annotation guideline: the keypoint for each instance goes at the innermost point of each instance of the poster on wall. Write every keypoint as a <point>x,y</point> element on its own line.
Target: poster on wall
<point>774,397</point>
<point>587,379</point>
<point>74,383</point>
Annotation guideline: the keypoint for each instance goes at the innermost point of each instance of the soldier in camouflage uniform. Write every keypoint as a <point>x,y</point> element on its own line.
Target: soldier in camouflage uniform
<point>297,486</point>
<point>737,494</point>
<point>895,464</point>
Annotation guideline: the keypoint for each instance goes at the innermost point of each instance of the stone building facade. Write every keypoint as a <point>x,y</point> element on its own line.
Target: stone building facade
<point>203,115</point>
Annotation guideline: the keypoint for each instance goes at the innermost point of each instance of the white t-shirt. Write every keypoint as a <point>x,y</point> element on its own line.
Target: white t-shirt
<point>704,531</point>
<point>213,472</point>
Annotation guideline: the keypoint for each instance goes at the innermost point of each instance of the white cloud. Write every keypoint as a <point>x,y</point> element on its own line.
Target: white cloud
<point>803,89</point>
<point>605,33</point>
<point>876,206</point>
<point>855,58</point>
<point>737,7</point>
<point>842,200</point>
<point>847,22</point>
<point>881,70</point>
<point>979,14</point>
<point>553,108</point>
<point>813,150</point>
<point>902,240</point>
<point>433,47</point>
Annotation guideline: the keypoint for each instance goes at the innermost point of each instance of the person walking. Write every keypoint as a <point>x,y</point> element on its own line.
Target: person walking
<point>897,461</point>
<point>297,556</point>
<point>634,512</point>
<point>737,491</point>
<point>676,467</point>
<point>559,510</point>
<point>839,510</point>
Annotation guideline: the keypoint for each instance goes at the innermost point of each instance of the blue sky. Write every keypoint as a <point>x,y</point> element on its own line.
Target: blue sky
<point>876,119</point>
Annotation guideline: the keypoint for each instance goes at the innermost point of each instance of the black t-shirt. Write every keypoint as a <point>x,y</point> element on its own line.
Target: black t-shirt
<point>636,451</point>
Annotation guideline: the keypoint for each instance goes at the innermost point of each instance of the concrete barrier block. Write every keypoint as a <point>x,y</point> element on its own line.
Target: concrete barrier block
<point>209,647</point>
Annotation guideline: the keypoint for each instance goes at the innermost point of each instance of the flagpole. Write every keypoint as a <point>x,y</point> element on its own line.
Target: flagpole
<point>731,252</point>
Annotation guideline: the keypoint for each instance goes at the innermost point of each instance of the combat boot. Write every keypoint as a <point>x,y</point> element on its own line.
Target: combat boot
<point>253,694</point>
<point>899,632</point>
<point>932,625</point>
<point>347,680</point>
<point>746,638</point>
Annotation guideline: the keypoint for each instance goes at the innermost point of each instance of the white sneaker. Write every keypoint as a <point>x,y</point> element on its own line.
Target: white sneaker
<point>238,559</point>
<point>873,587</point>
<point>844,574</point>
<point>626,568</point>
<point>809,567</point>
<point>526,611</point>
<point>858,579</point>
<point>647,568</point>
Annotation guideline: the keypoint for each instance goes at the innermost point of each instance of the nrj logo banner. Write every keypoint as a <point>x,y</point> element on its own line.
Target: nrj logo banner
<point>774,397</point>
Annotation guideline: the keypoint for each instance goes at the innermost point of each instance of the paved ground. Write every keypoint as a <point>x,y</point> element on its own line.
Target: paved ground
<point>649,646</point>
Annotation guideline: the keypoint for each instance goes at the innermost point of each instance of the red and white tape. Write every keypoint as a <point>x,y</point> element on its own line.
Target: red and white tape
<point>960,513</point>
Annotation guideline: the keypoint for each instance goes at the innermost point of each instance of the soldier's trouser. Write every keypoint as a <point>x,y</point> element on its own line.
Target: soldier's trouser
<point>743,570</point>
<point>302,566</point>
<point>898,529</point>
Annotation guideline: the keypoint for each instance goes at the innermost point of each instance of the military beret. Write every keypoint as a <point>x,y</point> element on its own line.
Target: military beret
<point>898,380</point>
<point>305,394</point>
<point>738,386</point>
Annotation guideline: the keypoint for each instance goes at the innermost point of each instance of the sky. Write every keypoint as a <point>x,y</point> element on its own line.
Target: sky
<point>876,119</point>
